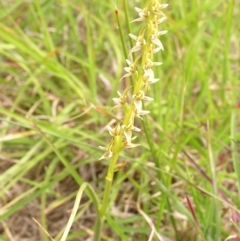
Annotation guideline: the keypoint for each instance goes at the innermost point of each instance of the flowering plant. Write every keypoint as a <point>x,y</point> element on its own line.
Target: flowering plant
<point>130,101</point>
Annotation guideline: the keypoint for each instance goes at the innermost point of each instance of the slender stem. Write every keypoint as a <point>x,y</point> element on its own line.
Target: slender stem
<point>128,22</point>
<point>98,227</point>
<point>108,184</point>
<point>122,40</point>
<point>121,35</point>
<point>107,190</point>
<point>106,195</point>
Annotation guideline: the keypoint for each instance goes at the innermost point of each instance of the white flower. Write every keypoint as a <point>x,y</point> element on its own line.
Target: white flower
<point>129,144</point>
<point>129,128</point>
<point>156,41</point>
<point>108,150</point>
<point>138,101</point>
<point>116,131</point>
<point>142,14</point>
<point>157,8</point>
<point>148,77</point>
<point>138,108</point>
<point>107,154</point>
<point>140,41</point>
<point>121,100</point>
<point>149,64</point>
<point>128,135</point>
<point>130,70</point>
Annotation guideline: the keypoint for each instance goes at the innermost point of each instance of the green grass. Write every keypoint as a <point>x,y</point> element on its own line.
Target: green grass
<point>61,62</point>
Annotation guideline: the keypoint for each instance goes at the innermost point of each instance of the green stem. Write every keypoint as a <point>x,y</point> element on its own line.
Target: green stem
<point>121,35</point>
<point>122,40</point>
<point>125,4</point>
<point>98,227</point>
<point>108,184</point>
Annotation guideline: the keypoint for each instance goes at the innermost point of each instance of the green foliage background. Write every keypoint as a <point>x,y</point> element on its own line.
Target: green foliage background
<point>61,62</point>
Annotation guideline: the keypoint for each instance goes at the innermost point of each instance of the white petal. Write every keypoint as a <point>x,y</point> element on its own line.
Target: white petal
<point>152,81</point>
<point>144,112</point>
<point>126,75</point>
<point>157,50</point>
<point>127,69</point>
<point>134,128</point>
<point>116,106</point>
<point>131,145</point>
<point>128,61</point>
<point>134,138</point>
<point>103,148</point>
<point>128,135</point>
<point>135,49</point>
<point>133,36</point>
<point>149,73</point>
<point>138,105</point>
<point>164,6</point>
<point>147,98</point>
<point>162,32</point>
<point>161,19</point>
<point>138,20</point>
<point>110,130</point>
<point>157,42</point>
<point>116,100</point>
<point>106,155</point>
<point>139,10</point>
<point>156,63</point>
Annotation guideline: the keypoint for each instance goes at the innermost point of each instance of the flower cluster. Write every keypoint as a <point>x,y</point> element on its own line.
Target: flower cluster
<point>147,43</point>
